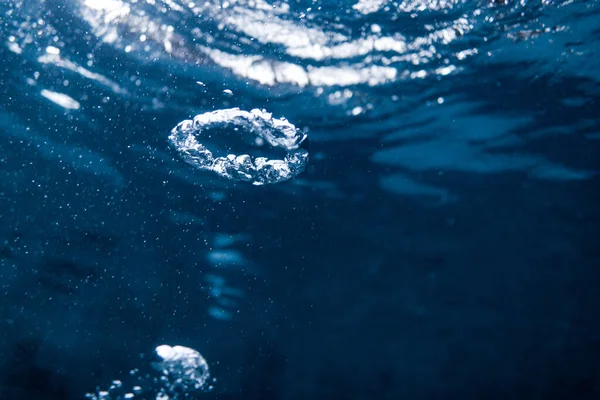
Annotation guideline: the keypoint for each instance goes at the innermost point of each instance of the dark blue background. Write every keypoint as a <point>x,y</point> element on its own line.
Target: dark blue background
<point>429,251</point>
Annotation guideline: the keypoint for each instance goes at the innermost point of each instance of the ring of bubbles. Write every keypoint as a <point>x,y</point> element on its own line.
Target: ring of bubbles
<point>278,133</point>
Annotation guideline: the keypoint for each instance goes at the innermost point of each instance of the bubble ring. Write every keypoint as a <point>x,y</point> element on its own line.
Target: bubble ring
<point>260,170</point>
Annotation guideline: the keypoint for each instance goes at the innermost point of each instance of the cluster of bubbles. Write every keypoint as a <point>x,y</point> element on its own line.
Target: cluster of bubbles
<point>182,368</point>
<point>182,373</point>
<point>278,133</point>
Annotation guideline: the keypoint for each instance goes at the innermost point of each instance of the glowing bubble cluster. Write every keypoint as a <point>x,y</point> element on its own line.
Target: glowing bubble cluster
<point>278,133</point>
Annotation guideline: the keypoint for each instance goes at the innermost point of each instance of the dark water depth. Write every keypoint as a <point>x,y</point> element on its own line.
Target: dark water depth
<point>443,242</point>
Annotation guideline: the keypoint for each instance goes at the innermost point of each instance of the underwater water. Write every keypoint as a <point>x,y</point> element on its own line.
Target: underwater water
<point>437,239</point>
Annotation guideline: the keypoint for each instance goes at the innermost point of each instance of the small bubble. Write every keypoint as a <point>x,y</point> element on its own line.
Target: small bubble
<point>440,100</point>
<point>375,28</point>
<point>228,92</point>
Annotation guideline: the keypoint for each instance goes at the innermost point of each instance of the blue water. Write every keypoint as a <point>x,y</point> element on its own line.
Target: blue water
<point>442,242</point>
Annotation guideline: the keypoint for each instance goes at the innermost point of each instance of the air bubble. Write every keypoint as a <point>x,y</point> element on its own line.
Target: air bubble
<point>278,133</point>
<point>184,368</point>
